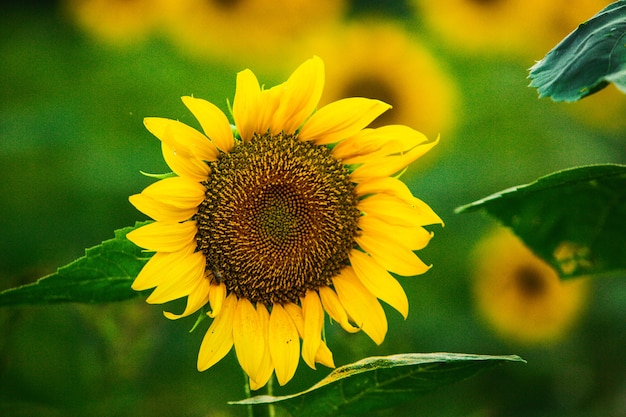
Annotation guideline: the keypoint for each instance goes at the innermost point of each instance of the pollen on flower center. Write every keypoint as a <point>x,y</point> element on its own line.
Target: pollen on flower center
<point>280,213</point>
<point>279,217</point>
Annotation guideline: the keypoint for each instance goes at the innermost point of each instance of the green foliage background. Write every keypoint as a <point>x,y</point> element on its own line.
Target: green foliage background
<point>72,143</point>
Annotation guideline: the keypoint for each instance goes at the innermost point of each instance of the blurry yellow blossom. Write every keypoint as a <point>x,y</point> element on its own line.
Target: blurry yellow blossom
<point>519,295</point>
<point>118,22</point>
<point>486,27</point>
<point>243,30</point>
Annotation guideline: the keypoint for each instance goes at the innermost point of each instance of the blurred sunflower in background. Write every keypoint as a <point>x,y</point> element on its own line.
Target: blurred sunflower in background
<point>238,32</point>
<point>292,212</point>
<point>497,27</point>
<point>117,22</point>
<point>525,29</point>
<point>379,59</point>
<point>519,295</point>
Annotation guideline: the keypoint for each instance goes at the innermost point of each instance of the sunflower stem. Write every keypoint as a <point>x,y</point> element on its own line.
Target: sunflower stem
<point>248,392</point>
<point>258,410</point>
<point>271,411</point>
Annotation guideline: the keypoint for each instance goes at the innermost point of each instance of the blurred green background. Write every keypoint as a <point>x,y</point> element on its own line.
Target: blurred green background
<point>78,77</point>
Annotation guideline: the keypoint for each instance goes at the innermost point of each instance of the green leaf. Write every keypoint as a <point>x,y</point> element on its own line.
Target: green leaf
<point>574,219</point>
<point>587,60</point>
<point>104,274</point>
<point>380,382</point>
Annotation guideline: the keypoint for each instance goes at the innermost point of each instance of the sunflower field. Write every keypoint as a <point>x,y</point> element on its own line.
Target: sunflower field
<point>407,208</point>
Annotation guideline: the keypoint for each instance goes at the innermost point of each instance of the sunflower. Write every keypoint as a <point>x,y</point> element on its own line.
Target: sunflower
<point>520,296</point>
<point>288,214</point>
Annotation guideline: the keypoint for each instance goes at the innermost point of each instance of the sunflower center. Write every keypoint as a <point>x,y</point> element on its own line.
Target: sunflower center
<point>530,282</point>
<point>279,210</point>
<point>279,218</point>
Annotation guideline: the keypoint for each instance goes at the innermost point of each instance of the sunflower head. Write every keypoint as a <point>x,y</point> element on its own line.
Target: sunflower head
<point>520,296</point>
<point>291,213</point>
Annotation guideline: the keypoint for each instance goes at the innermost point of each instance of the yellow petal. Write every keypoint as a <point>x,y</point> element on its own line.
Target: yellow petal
<point>218,340</point>
<point>165,237</point>
<point>213,122</point>
<point>181,280</point>
<point>335,309</point>
<point>155,271</point>
<point>160,211</point>
<point>300,95</point>
<point>248,338</point>
<point>184,148</point>
<point>195,301</point>
<point>379,282</point>
<point>386,185</point>
<point>270,101</point>
<point>395,138</point>
<point>389,165</point>
<point>254,385</point>
<point>267,368</point>
<point>426,213</point>
<point>217,295</point>
<point>341,119</point>
<point>247,105</point>
<point>412,237</point>
<point>364,142</point>
<point>184,165</point>
<point>392,256</point>
<point>177,191</point>
<point>284,344</point>
<point>361,305</point>
<point>296,315</point>
<point>396,211</point>
<point>324,356</point>
<point>192,142</point>
<point>386,149</point>
<point>313,322</point>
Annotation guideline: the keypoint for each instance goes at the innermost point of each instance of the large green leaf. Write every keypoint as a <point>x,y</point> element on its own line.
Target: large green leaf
<point>574,219</point>
<point>104,274</point>
<point>586,60</point>
<point>380,382</point>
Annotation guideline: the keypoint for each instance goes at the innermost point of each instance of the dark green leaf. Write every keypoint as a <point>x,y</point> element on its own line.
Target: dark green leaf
<point>574,219</point>
<point>104,274</point>
<point>586,60</point>
<point>380,382</point>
